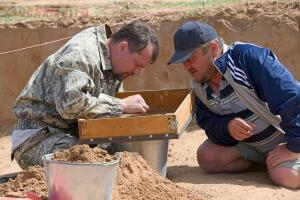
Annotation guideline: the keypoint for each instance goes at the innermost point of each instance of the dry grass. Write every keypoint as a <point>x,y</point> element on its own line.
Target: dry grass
<point>19,11</point>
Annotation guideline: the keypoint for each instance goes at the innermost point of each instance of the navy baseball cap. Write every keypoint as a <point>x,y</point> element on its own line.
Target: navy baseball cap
<point>188,37</point>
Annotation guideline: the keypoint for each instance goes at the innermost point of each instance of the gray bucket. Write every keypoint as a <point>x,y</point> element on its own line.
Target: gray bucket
<point>74,181</point>
<point>155,152</point>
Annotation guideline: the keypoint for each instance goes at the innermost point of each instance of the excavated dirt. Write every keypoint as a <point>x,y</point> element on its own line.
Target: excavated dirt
<point>31,180</point>
<point>269,23</point>
<point>83,154</point>
<point>135,178</point>
<point>282,10</point>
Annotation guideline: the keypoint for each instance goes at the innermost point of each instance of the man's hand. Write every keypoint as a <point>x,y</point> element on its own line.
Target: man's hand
<point>134,104</point>
<point>239,129</point>
<point>280,154</point>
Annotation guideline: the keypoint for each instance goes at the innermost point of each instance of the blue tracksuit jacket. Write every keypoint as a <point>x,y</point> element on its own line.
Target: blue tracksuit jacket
<point>272,83</point>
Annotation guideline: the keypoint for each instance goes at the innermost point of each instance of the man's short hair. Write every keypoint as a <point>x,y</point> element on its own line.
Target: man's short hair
<point>138,35</point>
<point>218,40</point>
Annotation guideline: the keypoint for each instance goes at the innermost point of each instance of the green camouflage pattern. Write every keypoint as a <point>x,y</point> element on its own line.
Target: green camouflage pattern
<point>44,142</point>
<point>75,82</point>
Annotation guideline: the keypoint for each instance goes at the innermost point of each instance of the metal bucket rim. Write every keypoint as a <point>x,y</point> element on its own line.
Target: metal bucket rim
<point>48,158</point>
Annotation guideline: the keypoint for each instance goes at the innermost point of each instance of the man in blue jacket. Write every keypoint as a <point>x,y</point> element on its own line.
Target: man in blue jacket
<point>247,102</point>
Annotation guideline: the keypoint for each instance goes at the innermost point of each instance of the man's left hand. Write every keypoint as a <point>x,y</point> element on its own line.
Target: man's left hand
<point>280,154</point>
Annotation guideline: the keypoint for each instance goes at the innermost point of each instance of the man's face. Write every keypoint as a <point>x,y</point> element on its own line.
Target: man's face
<point>200,66</point>
<point>126,63</point>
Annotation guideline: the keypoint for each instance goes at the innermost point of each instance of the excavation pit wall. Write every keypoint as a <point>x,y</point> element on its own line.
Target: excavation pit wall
<point>278,33</point>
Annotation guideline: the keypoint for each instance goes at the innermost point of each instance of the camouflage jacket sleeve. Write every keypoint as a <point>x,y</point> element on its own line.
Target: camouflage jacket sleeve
<point>73,87</point>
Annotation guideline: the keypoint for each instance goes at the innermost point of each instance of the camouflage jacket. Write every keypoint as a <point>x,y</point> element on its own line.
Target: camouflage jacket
<point>75,82</point>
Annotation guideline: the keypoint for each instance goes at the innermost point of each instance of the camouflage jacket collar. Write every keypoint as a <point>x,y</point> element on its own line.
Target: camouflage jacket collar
<point>103,33</point>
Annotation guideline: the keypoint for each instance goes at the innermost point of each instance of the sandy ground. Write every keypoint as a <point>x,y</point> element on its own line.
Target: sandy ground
<point>182,165</point>
<point>184,171</point>
<point>6,166</point>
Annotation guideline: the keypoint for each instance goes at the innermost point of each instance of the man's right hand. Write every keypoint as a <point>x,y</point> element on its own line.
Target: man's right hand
<point>240,129</point>
<point>134,104</point>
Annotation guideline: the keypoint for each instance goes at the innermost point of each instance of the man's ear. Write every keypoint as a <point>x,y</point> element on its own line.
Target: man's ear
<point>123,47</point>
<point>214,48</point>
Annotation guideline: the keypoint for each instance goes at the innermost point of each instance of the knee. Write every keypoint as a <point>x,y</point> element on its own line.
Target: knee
<point>205,159</point>
<point>285,177</point>
<point>203,156</point>
<point>24,159</point>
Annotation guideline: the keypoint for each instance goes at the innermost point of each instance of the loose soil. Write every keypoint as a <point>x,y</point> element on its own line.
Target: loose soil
<point>135,178</point>
<point>274,24</point>
<point>183,170</point>
<point>31,180</point>
<point>83,154</point>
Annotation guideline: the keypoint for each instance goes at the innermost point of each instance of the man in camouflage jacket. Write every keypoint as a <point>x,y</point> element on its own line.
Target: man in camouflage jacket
<point>80,80</point>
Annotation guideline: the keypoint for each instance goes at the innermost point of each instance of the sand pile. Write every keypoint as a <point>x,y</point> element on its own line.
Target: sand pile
<point>31,180</point>
<point>83,154</point>
<point>135,179</point>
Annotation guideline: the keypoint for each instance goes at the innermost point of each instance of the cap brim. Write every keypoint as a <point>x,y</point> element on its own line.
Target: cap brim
<point>181,56</point>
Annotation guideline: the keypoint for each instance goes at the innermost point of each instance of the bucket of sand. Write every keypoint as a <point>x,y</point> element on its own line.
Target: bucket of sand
<point>77,181</point>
